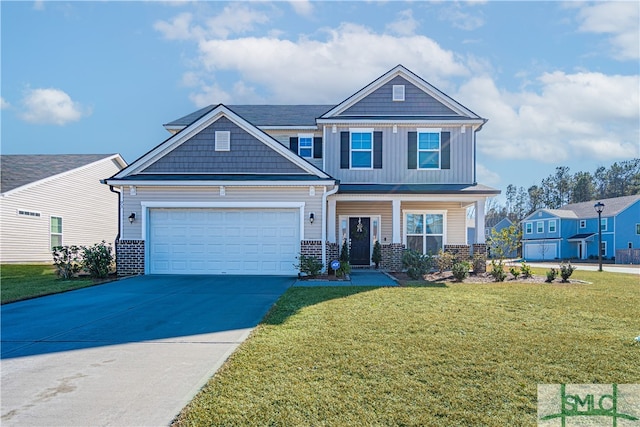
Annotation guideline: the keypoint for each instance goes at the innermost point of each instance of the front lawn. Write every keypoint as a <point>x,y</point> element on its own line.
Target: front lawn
<point>18,282</point>
<point>455,354</point>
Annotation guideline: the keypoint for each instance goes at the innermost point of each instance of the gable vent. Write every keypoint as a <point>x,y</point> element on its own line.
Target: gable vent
<point>223,140</point>
<point>398,92</point>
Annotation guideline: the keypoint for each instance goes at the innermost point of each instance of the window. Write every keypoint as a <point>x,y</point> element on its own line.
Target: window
<point>305,146</point>
<point>362,149</point>
<point>428,148</point>
<point>29,213</point>
<point>528,227</point>
<point>539,227</point>
<point>223,140</point>
<point>398,92</point>
<point>637,228</point>
<point>583,223</point>
<point>603,249</point>
<point>630,245</point>
<point>552,226</point>
<point>603,224</point>
<point>56,231</point>
<point>425,232</point>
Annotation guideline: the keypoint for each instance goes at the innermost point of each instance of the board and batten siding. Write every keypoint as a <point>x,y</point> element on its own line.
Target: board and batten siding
<point>212,195</point>
<point>89,212</point>
<point>395,168</point>
<point>283,137</point>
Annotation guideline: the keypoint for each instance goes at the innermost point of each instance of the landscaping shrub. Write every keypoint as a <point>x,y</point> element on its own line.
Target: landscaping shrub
<point>460,270</point>
<point>444,261</point>
<point>566,270</point>
<point>67,261</point>
<point>497,271</point>
<point>551,275</point>
<point>526,270</point>
<point>345,267</point>
<point>416,264</point>
<point>309,265</point>
<point>98,260</point>
<point>514,272</point>
<point>376,257</point>
<point>479,263</point>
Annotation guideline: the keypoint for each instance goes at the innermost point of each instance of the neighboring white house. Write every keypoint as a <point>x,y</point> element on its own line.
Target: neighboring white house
<point>51,200</point>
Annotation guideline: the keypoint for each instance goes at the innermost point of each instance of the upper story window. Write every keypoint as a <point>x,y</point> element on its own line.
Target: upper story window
<point>539,227</point>
<point>305,145</point>
<point>638,229</point>
<point>428,148</point>
<point>398,92</point>
<point>528,227</point>
<point>603,224</point>
<point>361,148</point>
<point>583,223</point>
<point>223,140</point>
<point>56,231</point>
<point>552,226</point>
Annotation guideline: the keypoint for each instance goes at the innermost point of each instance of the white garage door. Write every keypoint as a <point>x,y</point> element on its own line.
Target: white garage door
<point>223,241</point>
<point>540,251</point>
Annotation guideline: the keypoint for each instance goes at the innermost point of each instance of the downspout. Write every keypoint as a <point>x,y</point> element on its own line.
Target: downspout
<point>119,210</point>
<point>324,223</point>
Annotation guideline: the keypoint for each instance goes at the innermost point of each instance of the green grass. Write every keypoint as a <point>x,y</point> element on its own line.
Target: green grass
<point>19,282</point>
<point>457,354</point>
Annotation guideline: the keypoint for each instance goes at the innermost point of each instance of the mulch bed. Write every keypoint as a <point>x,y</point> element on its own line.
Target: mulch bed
<point>447,277</point>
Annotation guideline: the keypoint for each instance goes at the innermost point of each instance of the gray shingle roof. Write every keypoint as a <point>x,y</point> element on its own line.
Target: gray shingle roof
<point>264,115</point>
<point>612,207</point>
<point>17,170</point>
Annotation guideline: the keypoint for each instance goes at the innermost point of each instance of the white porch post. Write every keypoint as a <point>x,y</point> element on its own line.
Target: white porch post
<point>395,215</point>
<point>331,221</point>
<point>480,221</point>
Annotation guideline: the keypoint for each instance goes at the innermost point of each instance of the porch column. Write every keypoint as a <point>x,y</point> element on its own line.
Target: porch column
<point>331,221</point>
<point>480,221</point>
<point>396,236</point>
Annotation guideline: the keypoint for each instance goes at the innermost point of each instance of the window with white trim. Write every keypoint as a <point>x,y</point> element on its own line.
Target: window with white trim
<point>603,224</point>
<point>30,214</point>
<point>583,223</point>
<point>223,140</point>
<point>552,226</point>
<point>305,145</point>
<point>56,231</point>
<point>361,145</point>
<point>425,231</point>
<point>638,229</point>
<point>603,249</point>
<point>398,92</point>
<point>528,227</point>
<point>539,227</point>
<point>429,148</point>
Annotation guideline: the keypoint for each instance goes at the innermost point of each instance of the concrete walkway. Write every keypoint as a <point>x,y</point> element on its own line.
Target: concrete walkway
<point>128,353</point>
<point>357,278</point>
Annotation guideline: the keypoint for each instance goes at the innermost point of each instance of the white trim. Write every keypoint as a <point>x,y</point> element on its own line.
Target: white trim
<point>405,212</point>
<point>582,223</point>
<point>371,236</point>
<point>405,122</point>
<point>436,131</point>
<point>360,150</point>
<point>463,199</point>
<point>309,136</point>
<point>526,227</point>
<point>396,216</point>
<point>555,226</point>
<point>539,227</point>
<point>397,93</point>
<point>222,140</point>
<point>606,224</point>
<point>169,183</point>
<point>61,234</point>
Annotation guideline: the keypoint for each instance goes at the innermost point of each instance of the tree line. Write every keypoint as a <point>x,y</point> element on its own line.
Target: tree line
<point>563,187</point>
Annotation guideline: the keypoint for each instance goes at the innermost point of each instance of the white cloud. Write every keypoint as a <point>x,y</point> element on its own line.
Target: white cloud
<point>404,25</point>
<point>38,5</point>
<point>51,106</point>
<point>302,7</point>
<point>179,28</point>
<point>620,19</point>
<point>487,176</point>
<point>582,115</point>
<point>4,104</point>
<point>461,19</point>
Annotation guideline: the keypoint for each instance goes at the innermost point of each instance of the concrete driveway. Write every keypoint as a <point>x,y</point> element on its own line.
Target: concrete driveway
<point>127,353</point>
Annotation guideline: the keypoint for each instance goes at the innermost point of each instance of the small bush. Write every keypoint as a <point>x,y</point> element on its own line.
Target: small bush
<point>67,261</point>
<point>514,272</point>
<point>460,270</point>
<point>416,264</point>
<point>344,252</point>
<point>526,270</point>
<point>497,271</point>
<point>566,270</point>
<point>309,265</point>
<point>444,261</point>
<point>344,269</point>
<point>376,257</point>
<point>479,263</point>
<point>551,275</point>
<point>98,260</point>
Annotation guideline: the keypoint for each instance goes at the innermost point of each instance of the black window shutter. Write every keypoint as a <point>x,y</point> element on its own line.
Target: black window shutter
<point>344,150</point>
<point>412,153</point>
<point>377,150</point>
<point>317,147</point>
<point>293,144</point>
<point>445,150</point>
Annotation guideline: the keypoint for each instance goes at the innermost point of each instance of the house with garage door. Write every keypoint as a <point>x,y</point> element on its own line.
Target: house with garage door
<point>571,232</point>
<point>245,189</point>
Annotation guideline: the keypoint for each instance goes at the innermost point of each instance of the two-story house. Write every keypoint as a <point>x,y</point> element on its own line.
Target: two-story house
<point>245,189</point>
<point>571,232</point>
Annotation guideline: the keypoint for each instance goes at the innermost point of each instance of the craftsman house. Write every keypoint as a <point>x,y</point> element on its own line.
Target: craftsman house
<point>245,189</point>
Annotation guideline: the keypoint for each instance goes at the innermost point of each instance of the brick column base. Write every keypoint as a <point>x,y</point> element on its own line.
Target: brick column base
<point>392,257</point>
<point>129,257</point>
<point>481,249</point>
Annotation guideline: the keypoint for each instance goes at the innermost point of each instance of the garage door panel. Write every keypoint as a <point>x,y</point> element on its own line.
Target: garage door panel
<point>223,241</point>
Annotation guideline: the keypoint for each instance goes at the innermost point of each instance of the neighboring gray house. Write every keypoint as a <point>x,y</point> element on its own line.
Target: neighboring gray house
<point>245,189</point>
<point>50,200</point>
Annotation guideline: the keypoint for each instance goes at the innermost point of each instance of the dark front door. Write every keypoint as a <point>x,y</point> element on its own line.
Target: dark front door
<point>359,233</point>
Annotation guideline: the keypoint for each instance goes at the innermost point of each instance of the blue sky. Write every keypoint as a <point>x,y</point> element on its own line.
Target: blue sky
<point>558,81</point>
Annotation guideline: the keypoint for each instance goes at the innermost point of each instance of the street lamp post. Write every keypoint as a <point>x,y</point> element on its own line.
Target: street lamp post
<point>599,207</point>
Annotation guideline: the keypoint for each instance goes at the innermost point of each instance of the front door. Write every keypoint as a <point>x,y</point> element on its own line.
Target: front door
<point>359,233</point>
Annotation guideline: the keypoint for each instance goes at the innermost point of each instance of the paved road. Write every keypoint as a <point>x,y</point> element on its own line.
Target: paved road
<point>128,353</point>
